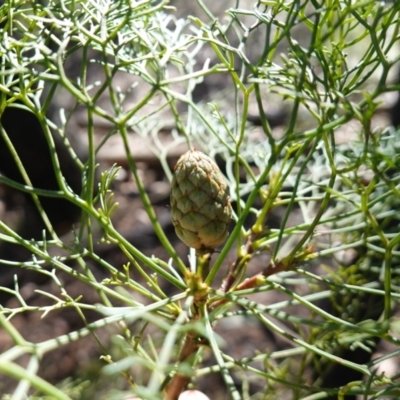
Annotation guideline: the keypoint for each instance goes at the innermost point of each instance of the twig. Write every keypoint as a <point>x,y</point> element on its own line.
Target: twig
<point>179,381</point>
<point>237,266</point>
<point>253,281</point>
<point>199,290</point>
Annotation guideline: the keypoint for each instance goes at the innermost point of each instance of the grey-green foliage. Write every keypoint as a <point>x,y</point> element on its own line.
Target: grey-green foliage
<point>326,63</point>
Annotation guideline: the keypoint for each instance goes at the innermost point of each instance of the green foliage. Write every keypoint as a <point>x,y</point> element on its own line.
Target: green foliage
<point>327,63</point>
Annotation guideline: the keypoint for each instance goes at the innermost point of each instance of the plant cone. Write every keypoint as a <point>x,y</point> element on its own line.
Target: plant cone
<point>200,205</point>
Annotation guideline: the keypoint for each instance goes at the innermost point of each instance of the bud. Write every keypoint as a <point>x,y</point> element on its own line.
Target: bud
<point>200,205</point>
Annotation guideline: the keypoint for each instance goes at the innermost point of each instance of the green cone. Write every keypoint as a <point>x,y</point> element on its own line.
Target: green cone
<point>200,205</point>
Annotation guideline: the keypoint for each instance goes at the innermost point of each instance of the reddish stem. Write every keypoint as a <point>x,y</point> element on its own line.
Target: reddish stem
<point>179,382</point>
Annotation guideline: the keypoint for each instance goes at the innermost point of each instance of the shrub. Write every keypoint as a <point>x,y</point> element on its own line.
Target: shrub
<point>296,300</point>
